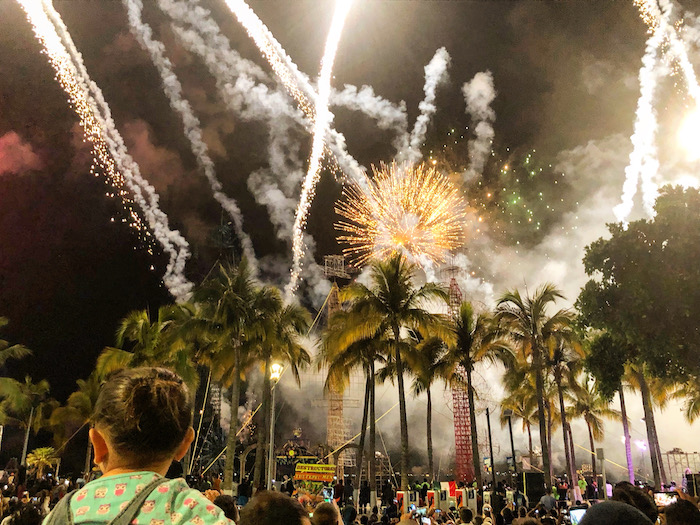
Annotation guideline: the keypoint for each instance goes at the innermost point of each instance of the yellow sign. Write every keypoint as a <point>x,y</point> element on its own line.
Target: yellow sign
<point>314,472</point>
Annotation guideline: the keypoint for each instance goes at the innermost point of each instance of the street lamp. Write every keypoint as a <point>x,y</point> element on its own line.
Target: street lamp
<point>275,373</point>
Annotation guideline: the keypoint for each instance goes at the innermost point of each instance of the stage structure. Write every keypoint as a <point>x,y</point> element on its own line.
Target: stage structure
<point>678,461</point>
<point>464,464</point>
<point>334,267</point>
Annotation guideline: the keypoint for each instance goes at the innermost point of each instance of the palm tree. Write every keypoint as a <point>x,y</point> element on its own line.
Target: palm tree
<point>78,411</point>
<point>563,357</point>
<point>8,351</point>
<point>524,407</point>
<point>475,340</point>
<point>141,341</point>
<point>341,361</point>
<point>41,459</point>
<point>425,363</point>
<point>391,305</point>
<point>278,331</point>
<point>231,304</point>
<point>25,405</point>
<point>588,403</point>
<point>690,393</point>
<point>526,323</point>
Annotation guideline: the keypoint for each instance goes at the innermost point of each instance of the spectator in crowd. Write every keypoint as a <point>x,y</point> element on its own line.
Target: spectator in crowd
<point>465,515</point>
<point>682,512</point>
<point>228,505</point>
<point>614,513</point>
<point>625,492</point>
<point>325,514</point>
<point>548,501</point>
<point>273,508</point>
<point>142,422</point>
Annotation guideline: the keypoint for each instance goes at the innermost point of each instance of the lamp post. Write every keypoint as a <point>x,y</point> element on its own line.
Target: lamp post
<point>275,373</point>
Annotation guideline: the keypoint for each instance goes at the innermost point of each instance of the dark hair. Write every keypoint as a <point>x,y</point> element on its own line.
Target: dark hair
<point>27,515</point>
<point>682,512</point>
<point>325,514</point>
<point>146,412</point>
<point>228,505</point>
<point>272,508</point>
<point>465,514</point>
<point>625,492</point>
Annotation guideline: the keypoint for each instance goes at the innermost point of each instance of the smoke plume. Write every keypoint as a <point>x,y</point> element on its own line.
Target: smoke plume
<point>479,93</point>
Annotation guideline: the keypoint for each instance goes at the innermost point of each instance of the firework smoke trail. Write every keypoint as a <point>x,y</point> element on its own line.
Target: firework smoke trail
<point>193,132</point>
<point>321,124</point>
<point>435,74</point>
<point>643,162</point>
<point>208,42</point>
<point>479,93</point>
<point>74,79</point>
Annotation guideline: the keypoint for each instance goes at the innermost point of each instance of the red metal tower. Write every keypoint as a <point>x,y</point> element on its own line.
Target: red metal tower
<point>460,402</point>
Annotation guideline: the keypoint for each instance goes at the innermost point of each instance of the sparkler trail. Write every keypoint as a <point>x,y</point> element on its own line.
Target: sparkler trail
<point>409,208</point>
<point>115,162</point>
<point>435,73</point>
<point>193,131</point>
<point>321,124</point>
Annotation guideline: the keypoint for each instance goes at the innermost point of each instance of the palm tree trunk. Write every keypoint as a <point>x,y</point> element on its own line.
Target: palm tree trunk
<point>529,440</point>
<point>573,449</point>
<point>626,432</point>
<point>648,420</point>
<point>564,424</point>
<point>550,424</point>
<point>539,386</point>
<point>402,411</point>
<point>662,469</point>
<point>26,437</point>
<point>372,444</point>
<point>474,435</point>
<point>363,430</point>
<point>88,459</point>
<point>429,416</point>
<point>232,439</point>
<point>261,450</point>
<point>590,438</point>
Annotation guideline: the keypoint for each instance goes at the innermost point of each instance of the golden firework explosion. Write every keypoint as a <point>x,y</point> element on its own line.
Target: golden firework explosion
<point>408,208</point>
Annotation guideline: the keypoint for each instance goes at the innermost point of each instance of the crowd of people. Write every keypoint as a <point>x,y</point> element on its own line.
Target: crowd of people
<point>141,426</point>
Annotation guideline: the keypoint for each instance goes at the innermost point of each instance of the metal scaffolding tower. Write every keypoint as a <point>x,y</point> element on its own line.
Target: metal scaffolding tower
<point>464,464</point>
<point>334,266</point>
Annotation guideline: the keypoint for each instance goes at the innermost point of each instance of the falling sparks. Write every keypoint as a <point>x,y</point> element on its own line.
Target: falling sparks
<point>108,149</point>
<point>412,209</point>
<point>644,163</point>
<point>321,124</point>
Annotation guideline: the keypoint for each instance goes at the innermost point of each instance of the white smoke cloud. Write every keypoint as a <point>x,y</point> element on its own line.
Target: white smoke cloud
<point>435,74</point>
<point>479,93</point>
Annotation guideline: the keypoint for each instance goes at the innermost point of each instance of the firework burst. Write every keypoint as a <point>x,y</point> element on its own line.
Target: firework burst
<point>413,209</point>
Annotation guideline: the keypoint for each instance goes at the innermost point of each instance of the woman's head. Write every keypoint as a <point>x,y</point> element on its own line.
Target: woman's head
<point>144,414</point>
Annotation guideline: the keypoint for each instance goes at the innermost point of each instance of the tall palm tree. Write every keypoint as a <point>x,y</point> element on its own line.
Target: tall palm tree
<point>24,404</point>
<point>279,339</point>
<point>527,324</point>
<point>588,403</point>
<point>341,361</point>
<point>231,303</point>
<point>78,410</point>
<point>8,351</point>
<point>425,363</point>
<point>474,340</point>
<point>391,305</point>
<point>563,357</point>
<point>690,393</point>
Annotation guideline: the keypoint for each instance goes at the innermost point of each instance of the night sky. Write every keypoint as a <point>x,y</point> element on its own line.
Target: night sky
<point>565,74</point>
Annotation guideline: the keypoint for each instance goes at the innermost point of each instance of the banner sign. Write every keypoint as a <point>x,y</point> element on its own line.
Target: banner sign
<point>314,472</point>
